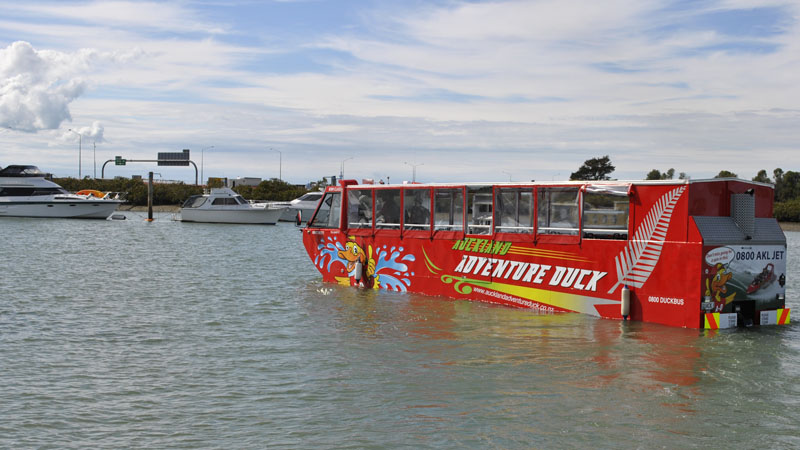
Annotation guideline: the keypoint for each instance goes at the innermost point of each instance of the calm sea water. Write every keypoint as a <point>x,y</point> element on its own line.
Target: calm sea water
<point>131,334</point>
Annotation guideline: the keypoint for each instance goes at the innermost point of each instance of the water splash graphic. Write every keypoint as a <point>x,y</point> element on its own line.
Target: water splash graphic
<point>330,251</point>
<point>394,274</point>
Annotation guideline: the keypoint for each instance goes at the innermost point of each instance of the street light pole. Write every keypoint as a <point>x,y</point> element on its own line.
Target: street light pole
<point>341,172</point>
<point>202,151</point>
<point>280,163</point>
<point>80,144</point>
<point>414,171</point>
<point>507,173</point>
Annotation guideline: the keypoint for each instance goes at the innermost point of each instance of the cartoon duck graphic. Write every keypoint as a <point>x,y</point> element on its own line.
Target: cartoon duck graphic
<point>360,266</point>
<point>716,285</point>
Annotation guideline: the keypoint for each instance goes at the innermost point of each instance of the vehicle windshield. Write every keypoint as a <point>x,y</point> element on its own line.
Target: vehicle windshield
<point>327,215</point>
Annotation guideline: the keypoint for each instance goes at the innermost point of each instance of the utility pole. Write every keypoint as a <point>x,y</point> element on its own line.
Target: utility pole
<point>80,143</point>
<point>280,163</point>
<point>414,171</point>
<point>341,172</point>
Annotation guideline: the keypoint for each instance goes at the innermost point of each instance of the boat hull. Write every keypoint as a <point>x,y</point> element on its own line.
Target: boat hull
<point>248,216</point>
<point>290,215</point>
<point>77,209</point>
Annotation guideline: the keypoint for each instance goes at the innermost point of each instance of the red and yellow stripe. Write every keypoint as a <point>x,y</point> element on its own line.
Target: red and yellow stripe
<point>715,321</point>
<point>774,317</point>
<point>783,316</point>
<point>712,321</point>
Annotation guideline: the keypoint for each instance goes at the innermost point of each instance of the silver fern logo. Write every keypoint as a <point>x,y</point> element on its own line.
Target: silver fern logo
<point>639,258</point>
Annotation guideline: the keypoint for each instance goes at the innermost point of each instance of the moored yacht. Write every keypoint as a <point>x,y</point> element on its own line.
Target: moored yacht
<point>223,205</point>
<point>305,205</point>
<point>26,191</point>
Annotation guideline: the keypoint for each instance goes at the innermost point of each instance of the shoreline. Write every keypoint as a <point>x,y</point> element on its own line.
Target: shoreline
<point>785,226</point>
<point>158,208</point>
<point>790,226</point>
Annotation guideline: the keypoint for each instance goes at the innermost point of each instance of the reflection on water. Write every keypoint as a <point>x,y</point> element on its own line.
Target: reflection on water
<point>564,378</point>
<point>193,335</point>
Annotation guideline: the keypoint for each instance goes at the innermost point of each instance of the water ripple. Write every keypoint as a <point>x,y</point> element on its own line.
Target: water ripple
<point>169,335</point>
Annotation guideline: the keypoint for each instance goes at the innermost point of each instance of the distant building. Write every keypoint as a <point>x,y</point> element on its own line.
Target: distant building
<point>242,181</point>
<point>217,181</point>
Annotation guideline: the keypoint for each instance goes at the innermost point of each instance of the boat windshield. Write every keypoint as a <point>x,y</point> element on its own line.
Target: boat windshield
<point>194,201</point>
<point>311,196</point>
<point>21,171</point>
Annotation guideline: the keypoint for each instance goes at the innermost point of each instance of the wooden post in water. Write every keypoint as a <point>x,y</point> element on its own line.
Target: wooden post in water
<point>150,197</point>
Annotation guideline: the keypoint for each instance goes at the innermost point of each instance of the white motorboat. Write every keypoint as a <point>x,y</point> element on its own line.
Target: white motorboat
<point>305,205</point>
<point>223,205</point>
<point>26,191</point>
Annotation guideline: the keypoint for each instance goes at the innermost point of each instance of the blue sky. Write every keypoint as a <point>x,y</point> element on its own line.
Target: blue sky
<point>463,90</point>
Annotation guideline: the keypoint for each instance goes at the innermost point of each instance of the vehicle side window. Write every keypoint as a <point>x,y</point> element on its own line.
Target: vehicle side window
<point>359,208</point>
<point>448,213</point>
<point>417,207</point>
<point>514,210</point>
<point>479,210</point>
<point>387,208</point>
<point>328,213</point>
<point>605,212</point>
<point>557,211</point>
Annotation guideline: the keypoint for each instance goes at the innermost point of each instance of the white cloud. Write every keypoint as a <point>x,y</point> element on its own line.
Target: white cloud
<point>93,133</point>
<point>475,88</point>
<point>36,87</point>
<point>148,15</point>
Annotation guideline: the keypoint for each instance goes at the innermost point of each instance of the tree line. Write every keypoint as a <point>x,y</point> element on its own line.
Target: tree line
<point>176,193</point>
<point>787,184</point>
<point>787,187</point>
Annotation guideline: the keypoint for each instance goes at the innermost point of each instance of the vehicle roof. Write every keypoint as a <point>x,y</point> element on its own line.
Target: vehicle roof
<point>563,183</point>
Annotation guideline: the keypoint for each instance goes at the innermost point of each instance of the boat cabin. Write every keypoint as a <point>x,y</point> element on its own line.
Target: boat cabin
<point>17,171</point>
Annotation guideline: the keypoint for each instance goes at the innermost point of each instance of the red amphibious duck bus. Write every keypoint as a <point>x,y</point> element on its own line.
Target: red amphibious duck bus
<point>700,253</point>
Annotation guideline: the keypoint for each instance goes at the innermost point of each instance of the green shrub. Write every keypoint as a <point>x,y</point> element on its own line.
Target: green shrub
<point>788,211</point>
<point>163,194</point>
<point>177,193</point>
